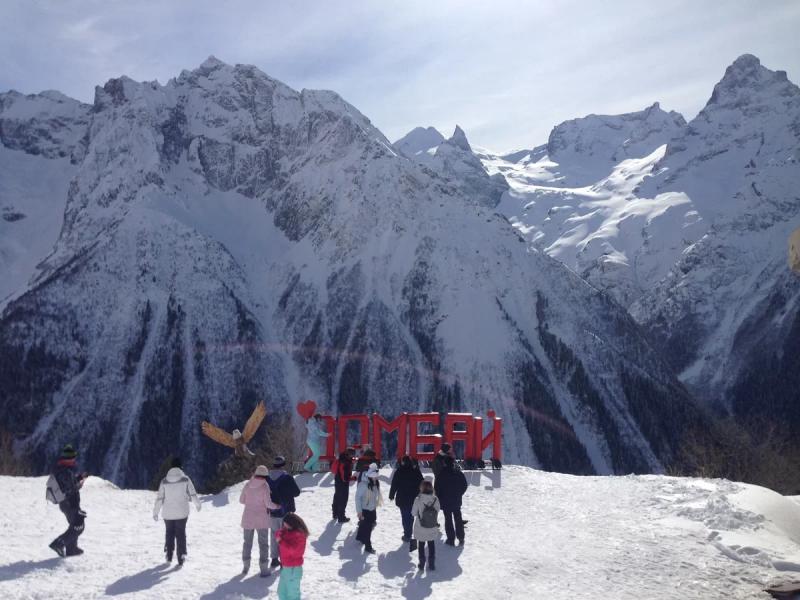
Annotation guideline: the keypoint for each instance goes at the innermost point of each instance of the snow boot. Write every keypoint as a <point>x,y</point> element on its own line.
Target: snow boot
<point>58,547</point>
<point>450,542</point>
<point>181,560</point>
<point>344,519</point>
<point>75,552</point>
<point>412,545</point>
<point>369,550</point>
<point>245,567</point>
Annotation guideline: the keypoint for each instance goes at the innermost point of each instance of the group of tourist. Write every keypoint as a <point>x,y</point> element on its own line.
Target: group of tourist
<point>269,509</point>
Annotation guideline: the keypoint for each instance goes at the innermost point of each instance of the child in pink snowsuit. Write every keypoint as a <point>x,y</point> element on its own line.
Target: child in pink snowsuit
<point>255,518</point>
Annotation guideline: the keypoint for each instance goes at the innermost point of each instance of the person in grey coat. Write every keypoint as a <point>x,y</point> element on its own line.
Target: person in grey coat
<point>172,501</point>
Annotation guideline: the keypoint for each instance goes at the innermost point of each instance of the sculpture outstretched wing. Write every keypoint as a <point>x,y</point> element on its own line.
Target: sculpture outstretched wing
<point>254,422</point>
<point>218,435</point>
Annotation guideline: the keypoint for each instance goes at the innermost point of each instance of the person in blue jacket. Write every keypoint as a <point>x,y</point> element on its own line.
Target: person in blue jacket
<point>283,489</point>
<point>315,440</point>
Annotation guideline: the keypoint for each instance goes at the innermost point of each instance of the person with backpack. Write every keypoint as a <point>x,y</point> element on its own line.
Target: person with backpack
<point>175,492</point>
<point>450,486</point>
<point>284,490</point>
<point>63,488</point>
<point>426,525</point>
<point>315,439</point>
<point>368,499</point>
<point>342,469</point>
<point>257,503</point>
<point>292,540</point>
<point>404,490</point>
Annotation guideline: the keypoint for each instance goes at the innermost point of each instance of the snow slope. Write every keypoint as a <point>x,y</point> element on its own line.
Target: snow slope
<point>530,535</point>
<point>227,239</point>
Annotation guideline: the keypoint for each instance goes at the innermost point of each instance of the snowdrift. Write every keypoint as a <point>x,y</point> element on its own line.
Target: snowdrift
<point>530,535</point>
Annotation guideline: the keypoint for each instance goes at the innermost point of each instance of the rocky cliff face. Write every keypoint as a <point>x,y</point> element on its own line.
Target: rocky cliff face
<point>728,311</point>
<point>227,239</point>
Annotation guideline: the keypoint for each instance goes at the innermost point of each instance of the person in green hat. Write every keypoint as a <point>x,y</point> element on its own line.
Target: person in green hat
<point>66,491</point>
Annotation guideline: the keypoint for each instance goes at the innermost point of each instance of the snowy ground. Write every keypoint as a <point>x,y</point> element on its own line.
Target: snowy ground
<point>531,535</point>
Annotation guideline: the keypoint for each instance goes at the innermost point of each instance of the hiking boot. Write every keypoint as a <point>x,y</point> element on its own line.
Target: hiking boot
<point>450,542</point>
<point>369,550</point>
<point>412,545</point>
<point>58,547</point>
<point>344,519</point>
<point>276,562</point>
<point>74,552</point>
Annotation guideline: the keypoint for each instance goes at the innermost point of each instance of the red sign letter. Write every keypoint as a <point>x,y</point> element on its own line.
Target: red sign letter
<point>380,424</point>
<point>416,438</point>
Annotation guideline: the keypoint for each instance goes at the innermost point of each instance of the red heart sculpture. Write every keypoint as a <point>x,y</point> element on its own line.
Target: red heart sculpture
<point>307,409</point>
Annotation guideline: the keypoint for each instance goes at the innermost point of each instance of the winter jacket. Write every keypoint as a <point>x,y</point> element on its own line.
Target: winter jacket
<point>257,503</point>
<point>315,433</point>
<point>424,534</point>
<point>439,461</point>
<point>343,468</point>
<point>292,546</point>
<point>69,482</point>
<point>284,490</point>
<point>405,485</point>
<point>450,486</point>
<point>367,499</point>
<point>174,494</point>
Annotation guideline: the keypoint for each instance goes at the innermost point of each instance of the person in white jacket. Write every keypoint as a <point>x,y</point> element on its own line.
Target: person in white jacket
<point>368,499</point>
<point>174,493</point>
<point>426,524</point>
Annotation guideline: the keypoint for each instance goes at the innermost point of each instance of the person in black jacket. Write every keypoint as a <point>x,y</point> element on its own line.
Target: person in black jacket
<point>283,489</point>
<point>404,490</point>
<point>70,483</point>
<point>342,475</point>
<point>450,487</point>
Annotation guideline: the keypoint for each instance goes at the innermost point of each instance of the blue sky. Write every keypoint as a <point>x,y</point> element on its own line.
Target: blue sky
<point>507,72</point>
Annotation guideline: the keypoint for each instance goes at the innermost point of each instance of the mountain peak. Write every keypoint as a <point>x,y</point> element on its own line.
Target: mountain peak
<point>745,75</point>
<point>459,139</point>
<point>211,63</point>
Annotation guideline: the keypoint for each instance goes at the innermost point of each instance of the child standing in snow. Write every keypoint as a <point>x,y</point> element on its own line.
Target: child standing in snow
<point>426,526</point>
<point>368,499</point>
<point>66,493</point>
<point>174,493</point>
<point>292,542</point>
<point>257,503</point>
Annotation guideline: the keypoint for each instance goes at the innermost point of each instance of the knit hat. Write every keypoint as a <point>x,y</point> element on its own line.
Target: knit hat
<point>372,471</point>
<point>279,462</point>
<point>69,452</point>
<point>261,471</point>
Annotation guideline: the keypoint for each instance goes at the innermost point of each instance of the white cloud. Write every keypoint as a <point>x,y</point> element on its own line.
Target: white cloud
<point>506,71</point>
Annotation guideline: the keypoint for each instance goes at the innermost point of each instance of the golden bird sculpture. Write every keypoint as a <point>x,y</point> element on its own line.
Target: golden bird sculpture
<point>238,439</point>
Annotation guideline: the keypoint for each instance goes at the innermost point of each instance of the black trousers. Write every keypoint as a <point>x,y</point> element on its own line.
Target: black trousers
<point>431,553</point>
<point>176,530</point>
<point>453,525</point>
<point>365,526</point>
<point>340,494</point>
<point>75,519</point>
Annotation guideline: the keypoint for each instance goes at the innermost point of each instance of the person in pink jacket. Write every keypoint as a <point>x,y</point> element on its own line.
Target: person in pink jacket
<point>255,518</point>
<point>292,542</point>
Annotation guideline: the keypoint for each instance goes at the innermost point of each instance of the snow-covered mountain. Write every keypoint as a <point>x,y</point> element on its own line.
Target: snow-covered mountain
<point>227,239</point>
<point>729,311</point>
<point>577,198</point>
<point>455,159</point>
<point>687,224</point>
<point>574,538</point>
